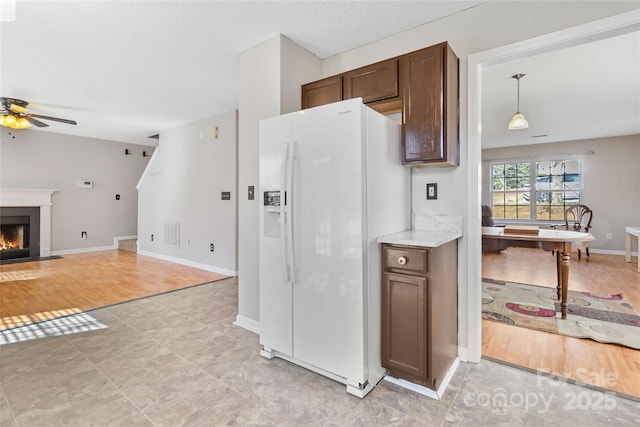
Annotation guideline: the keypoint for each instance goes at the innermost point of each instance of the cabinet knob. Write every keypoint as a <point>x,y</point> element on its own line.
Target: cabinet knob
<point>402,260</point>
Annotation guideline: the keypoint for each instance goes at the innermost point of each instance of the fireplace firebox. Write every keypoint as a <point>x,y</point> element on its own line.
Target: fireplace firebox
<point>19,233</point>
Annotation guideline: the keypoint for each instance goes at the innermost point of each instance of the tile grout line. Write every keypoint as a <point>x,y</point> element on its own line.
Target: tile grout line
<point>112,383</point>
<point>4,396</point>
<point>455,397</point>
<point>219,380</point>
<point>160,344</point>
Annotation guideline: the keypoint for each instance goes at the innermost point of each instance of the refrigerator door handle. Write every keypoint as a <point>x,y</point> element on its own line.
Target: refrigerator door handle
<point>291,261</point>
<point>283,210</point>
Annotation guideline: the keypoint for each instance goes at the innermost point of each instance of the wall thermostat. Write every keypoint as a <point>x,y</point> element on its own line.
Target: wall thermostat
<point>85,183</point>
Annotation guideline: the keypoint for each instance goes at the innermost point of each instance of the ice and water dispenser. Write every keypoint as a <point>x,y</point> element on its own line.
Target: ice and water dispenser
<point>271,206</point>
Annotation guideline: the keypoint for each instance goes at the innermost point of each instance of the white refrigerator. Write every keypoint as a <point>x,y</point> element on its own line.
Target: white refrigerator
<point>331,182</point>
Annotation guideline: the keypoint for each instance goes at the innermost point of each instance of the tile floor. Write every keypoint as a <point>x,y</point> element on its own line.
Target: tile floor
<point>176,360</point>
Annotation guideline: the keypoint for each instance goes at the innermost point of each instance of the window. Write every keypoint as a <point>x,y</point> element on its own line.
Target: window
<point>558,185</point>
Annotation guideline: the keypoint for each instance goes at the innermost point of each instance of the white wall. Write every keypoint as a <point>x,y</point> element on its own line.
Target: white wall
<point>481,28</point>
<point>610,181</point>
<point>183,183</point>
<point>34,159</point>
<point>271,74</point>
<point>489,25</point>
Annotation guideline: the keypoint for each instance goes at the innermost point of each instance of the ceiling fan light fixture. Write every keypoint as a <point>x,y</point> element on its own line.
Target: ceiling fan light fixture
<point>17,108</point>
<point>17,116</point>
<point>9,120</point>
<point>23,123</point>
<point>13,122</point>
<point>518,121</point>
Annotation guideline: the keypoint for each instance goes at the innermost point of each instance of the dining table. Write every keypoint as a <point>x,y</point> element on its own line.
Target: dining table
<point>562,242</point>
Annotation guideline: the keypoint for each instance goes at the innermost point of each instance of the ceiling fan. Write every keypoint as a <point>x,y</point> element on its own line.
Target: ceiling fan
<point>14,114</point>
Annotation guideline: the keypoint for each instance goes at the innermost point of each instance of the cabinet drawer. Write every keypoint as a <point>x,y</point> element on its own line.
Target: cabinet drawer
<point>404,259</point>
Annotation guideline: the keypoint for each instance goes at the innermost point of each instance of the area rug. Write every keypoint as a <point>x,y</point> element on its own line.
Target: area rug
<point>603,318</point>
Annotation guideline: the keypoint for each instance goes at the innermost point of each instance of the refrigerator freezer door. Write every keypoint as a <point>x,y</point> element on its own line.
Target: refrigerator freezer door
<point>328,318</point>
<point>276,316</point>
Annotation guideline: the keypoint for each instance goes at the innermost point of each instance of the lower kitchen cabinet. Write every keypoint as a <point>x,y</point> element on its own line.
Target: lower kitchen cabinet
<point>419,312</point>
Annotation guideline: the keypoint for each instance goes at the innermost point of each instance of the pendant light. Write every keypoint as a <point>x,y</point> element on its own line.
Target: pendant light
<point>518,121</point>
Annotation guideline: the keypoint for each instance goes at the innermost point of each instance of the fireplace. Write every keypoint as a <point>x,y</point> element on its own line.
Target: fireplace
<point>35,204</point>
<point>19,233</point>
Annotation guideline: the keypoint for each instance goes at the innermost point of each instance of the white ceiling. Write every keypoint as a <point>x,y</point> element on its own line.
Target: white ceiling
<point>125,70</point>
<point>584,92</point>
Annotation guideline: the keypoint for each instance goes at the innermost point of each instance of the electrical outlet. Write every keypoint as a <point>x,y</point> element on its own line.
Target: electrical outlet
<point>609,236</point>
<point>432,191</point>
<point>152,237</point>
<point>83,235</point>
<point>211,247</point>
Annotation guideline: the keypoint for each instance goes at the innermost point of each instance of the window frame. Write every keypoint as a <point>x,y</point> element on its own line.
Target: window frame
<point>534,202</point>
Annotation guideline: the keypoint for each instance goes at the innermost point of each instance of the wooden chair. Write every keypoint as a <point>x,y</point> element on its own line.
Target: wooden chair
<point>578,218</point>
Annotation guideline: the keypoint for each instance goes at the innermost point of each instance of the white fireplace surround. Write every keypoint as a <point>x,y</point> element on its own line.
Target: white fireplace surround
<point>30,197</point>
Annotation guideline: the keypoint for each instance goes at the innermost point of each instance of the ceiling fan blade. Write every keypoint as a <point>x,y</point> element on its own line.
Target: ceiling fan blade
<point>8,102</point>
<point>55,119</point>
<point>18,109</point>
<point>37,123</point>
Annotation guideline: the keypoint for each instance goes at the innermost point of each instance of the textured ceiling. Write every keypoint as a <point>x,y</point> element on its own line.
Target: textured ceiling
<point>584,92</point>
<point>125,70</point>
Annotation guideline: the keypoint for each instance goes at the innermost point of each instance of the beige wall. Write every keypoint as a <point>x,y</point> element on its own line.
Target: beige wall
<point>270,77</point>
<point>47,160</point>
<point>487,26</point>
<point>611,180</point>
<point>183,183</point>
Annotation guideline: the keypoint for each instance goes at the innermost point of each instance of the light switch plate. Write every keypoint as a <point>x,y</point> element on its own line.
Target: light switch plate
<point>432,191</point>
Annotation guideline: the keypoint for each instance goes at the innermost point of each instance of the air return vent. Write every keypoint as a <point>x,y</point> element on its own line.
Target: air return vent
<point>172,234</point>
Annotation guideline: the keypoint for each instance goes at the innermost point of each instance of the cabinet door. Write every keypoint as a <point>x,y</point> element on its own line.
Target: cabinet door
<point>404,326</point>
<point>322,92</point>
<point>430,106</point>
<point>373,83</point>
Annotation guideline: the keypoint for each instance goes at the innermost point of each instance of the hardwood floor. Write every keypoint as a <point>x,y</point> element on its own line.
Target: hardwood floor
<point>610,366</point>
<point>36,290</point>
<point>33,291</point>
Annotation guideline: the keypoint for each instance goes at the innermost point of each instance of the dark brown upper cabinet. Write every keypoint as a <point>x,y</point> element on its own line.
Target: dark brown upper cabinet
<point>374,82</point>
<point>322,92</point>
<point>423,85</point>
<point>430,106</point>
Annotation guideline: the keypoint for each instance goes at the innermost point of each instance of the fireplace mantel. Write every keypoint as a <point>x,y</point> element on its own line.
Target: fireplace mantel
<point>16,197</point>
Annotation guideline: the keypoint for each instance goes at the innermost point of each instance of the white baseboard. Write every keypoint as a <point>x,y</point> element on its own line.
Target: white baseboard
<point>116,241</point>
<point>189,263</point>
<point>463,354</point>
<point>433,394</point>
<point>609,252</point>
<point>82,250</point>
<point>248,324</point>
